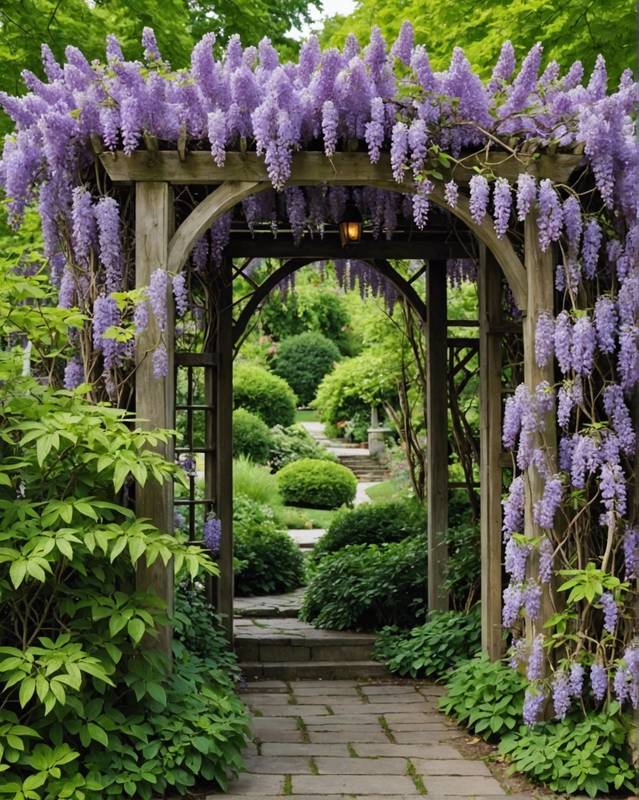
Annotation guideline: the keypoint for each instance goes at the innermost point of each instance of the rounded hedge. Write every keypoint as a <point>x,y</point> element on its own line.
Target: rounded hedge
<point>251,436</point>
<point>293,443</point>
<point>303,360</point>
<point>315,483</point>
<point>266,559</point>
<point>372,524</point>
<point>265,394</point>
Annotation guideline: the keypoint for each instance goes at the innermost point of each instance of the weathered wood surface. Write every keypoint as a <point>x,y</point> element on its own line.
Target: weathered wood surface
<point>154,397</point>
<point>540,273</point>
<point>437,427</point>
<point>224,441</point>
<point>490,454</point>
<point>198,167</point>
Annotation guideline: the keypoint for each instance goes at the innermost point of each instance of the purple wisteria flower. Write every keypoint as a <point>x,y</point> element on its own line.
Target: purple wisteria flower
<point>546,558</point>
<point>73,373</point>
<point>180,294</point>
<point>532,600</point>
<point>399,150</point>
<point>141,317</point>
<point>563,342</point>
<point>550,216</point>
<point>546,508</point>
<point>513,601</point>
<point>330,124</point>
<point>502,202</point>
<point>533,706</point>
<point>610,610</point>
<point>576,679</point>
<point>212,535</point>
<point>590,248</point>
<point>573,222</point>
<point>158,290</point>
<point>451,193</point>
<point>107,213</point>
<point>544,339</point>
<point>479,195</point>
<point>160,361</point>
<point>83,225</point>
<point>606,321</point>
<point>515,560</point>
<point>561,695</point>
<point>514,508</point>
<point>631,553</point>
<point>526,195</point>
<point>598,681</point>
<point>582,346</point>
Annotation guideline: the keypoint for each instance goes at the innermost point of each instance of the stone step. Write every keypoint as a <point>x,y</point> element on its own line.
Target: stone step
<point>272,649</point>
<point>313,670</point>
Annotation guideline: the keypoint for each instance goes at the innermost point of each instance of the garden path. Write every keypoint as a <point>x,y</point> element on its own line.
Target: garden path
<point>341,739</point>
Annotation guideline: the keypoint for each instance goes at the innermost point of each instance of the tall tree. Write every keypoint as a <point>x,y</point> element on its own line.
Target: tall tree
<point>570,30</point>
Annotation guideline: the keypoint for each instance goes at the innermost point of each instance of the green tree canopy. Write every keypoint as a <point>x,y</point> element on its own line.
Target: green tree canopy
<point>570,30</point>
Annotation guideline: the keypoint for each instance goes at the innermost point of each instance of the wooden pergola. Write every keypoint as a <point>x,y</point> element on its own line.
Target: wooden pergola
<point>527,271</point>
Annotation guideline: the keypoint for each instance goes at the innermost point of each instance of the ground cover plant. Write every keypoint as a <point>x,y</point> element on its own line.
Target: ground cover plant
<point>431,650</point>
<point>303,360</point>
<point>316,483</point>
<point>365,587</point>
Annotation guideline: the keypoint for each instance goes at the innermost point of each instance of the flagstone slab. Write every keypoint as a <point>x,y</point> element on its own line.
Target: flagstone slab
<point>361,766</point>
<point>463,786</point>
<point>353,785</point>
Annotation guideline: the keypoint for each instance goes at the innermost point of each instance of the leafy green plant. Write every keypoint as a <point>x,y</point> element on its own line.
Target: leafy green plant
<point>485,696</point>
<point>463,569</point>
<point>267,560</point>
<point>263,393</point>
<point>365,587</point>
<point>579,754</point>
<point>293,443</point>
<point>303,360</point>
<point>432,649</point>
<point>316,483</point>
<point>251,436</point>
<point>255,481</point>
<point>371,524</point>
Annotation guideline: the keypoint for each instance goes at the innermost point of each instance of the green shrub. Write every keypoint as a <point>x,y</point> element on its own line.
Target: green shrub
<point>432,649</point>
<point>317,484</point>
<point>578,754</point>
<point>463,570</point>
<point>256,482</point>
<point>371,524</point>
<point>365,587</point>
<point>303,360</point>
<point>89,711</point>
<point>293,443</point>
<point>263,393</point>
<point>485,696</point>
<point>267,560</point>
<point>251,436</point>
<point>347,393</point>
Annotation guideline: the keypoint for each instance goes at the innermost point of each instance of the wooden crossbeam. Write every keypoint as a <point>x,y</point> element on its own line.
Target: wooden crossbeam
<point>308,168</point>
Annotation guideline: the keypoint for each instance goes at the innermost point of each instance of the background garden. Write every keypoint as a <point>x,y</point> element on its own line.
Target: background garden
<point>87,712</point>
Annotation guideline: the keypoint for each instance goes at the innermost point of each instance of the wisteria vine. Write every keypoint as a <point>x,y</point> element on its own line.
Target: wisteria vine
<point>390,101</point>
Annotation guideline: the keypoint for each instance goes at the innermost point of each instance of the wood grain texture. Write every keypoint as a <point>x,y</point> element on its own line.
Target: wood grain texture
<point>154,397</point>
<point>437,427</point>
<point>490,454</point>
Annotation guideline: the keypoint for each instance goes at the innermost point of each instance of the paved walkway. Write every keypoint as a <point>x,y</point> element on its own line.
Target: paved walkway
<point>340,740</point>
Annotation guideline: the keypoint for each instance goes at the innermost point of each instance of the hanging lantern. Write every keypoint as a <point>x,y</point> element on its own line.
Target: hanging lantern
<point>350,228</point>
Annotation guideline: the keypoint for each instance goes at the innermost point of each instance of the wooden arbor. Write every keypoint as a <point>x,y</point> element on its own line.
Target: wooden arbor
<point>530,279</point>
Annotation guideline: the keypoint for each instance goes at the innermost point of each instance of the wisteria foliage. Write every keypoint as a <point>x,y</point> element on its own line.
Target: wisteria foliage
<point>584,540</point>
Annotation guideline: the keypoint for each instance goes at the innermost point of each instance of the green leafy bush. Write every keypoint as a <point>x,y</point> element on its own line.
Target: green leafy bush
<point>316,483</point>
<point>293,443</point>
<point>267,560</point>
<point>579,754</point>
<point>463,570</point>
<point>432,649</point>
<point>303,360</point>
<point>371,524</point>
<point>255,481</point>
<point>263,393</point>
<point>251,436</point>
<point>87,712</point>
<point>365,587</point>
<point>485,696</point>
<point>348,392</point>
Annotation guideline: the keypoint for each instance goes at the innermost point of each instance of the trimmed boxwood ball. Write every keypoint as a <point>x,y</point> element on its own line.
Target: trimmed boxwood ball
<point>264,393</point>
<point>316,484</point>
<point>372,524</point>
<point>251,436</point>
<point>303,360</point>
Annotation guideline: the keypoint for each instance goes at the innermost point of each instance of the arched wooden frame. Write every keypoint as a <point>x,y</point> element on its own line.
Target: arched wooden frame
<point>291,265</point>
<point>531,283</point>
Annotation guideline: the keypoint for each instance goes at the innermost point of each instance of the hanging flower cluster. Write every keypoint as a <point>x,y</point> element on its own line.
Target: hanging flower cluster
<point>430,126</point>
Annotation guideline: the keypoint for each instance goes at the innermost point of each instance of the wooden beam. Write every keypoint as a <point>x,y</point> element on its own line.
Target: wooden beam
<point>434,247</point>
<point>202,217</point>
<point>224,441</point>
<point>490,454</point>
<point>437,431</point>
<point>308,167</point>
<point>540,274</point>
<point>154,397</point>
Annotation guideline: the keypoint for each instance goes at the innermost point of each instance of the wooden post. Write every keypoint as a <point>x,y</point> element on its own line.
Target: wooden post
<point>224,441</point>
<point>155,397</point>
<point>437,427</point>
<point>490,453</point>
<point>210,434</point>
<point>540,287</point>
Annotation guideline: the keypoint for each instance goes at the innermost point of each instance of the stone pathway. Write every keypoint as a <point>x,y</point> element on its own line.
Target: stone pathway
<point>270,605</point>
<point>340,740</point>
